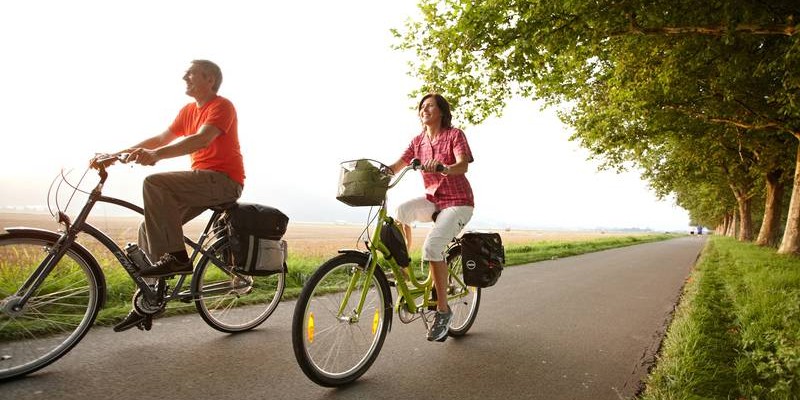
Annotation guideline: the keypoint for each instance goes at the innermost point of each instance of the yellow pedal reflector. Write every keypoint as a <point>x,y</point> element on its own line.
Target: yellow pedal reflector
<point>375,320</point>
<point>310,328</point>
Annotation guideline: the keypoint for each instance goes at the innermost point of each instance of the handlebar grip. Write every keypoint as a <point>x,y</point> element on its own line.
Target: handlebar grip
<point>107,160</point>
<point>417,164</point>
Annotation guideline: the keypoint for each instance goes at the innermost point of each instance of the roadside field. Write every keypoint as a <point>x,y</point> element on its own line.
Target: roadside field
<point>308,239</point>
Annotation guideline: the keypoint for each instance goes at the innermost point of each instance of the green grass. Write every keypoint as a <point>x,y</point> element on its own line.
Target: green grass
<point>736,333</point>
<point>548,250</point>
<point>120,288</point>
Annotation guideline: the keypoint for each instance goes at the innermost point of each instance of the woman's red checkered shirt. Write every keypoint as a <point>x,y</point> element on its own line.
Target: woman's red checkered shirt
<point>443,190</point>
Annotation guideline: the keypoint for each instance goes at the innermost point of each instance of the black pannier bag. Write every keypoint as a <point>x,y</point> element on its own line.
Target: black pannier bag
<point>482,258</point>
<point>255,233</point>
<point>395,242</point>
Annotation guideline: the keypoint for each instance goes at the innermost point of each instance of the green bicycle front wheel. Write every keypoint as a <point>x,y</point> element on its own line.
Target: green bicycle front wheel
<point>333,342</point>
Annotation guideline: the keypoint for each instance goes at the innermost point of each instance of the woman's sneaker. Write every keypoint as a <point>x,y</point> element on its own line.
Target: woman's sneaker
<point>439,329</point>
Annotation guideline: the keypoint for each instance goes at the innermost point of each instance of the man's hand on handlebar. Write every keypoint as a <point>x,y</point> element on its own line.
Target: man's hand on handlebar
<point>143,156</point>
<point>103,160</point>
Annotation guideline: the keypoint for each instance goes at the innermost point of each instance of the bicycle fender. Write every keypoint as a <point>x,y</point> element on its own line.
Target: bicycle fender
<point>21,231</point>
<point>354,251</point>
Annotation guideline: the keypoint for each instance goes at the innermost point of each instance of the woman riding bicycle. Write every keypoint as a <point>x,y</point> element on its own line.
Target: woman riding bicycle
<point>448,200</point>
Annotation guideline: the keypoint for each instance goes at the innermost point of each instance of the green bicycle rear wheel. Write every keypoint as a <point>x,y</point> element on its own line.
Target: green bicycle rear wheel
<point>463,300</point>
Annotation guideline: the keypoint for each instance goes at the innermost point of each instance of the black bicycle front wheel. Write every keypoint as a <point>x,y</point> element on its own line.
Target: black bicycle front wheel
<point>58,314</point>
<point>229,301</point>
<point>334,343</point>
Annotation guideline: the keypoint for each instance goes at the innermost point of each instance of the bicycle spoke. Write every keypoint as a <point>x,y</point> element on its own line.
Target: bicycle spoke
<point>59,311</point>
<point>231,302</point>
<point>336,349</point>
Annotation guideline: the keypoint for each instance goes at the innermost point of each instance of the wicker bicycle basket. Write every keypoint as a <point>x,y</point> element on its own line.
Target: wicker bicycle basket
<point>363,183</point>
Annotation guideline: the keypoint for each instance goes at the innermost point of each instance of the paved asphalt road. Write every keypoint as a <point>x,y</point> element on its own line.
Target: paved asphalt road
<point>584,327</point>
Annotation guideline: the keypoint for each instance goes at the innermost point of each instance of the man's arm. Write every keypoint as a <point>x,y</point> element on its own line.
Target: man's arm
<point>146,155</point>
<point>162,139</point>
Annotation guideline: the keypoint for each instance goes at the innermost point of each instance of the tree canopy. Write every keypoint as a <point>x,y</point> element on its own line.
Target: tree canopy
<point>702,96</point>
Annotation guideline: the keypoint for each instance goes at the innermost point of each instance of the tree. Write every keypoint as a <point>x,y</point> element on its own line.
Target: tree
<point>735,65</point>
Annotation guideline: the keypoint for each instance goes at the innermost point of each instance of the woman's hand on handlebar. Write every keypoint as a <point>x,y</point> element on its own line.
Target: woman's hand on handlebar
<point>429,166</point>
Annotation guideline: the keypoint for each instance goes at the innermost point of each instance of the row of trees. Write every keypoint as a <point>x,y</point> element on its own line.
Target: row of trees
<point>703,96</point>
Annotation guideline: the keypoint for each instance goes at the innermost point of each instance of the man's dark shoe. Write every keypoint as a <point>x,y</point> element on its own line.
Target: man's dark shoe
<point>167,265</point>
<point>133,319</point>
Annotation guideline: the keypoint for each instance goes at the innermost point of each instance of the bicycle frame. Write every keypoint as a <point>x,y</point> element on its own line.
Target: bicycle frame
<point>408,286</point>
<point>68,237</point>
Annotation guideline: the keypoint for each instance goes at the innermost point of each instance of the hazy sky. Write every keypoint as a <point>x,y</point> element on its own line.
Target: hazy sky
<point>314,82</point>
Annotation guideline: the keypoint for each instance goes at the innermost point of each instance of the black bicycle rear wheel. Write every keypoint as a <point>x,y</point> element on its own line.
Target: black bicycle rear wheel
<point>229,301</point>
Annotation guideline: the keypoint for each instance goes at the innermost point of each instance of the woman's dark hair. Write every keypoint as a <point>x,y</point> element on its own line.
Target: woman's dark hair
<point>444,108</point>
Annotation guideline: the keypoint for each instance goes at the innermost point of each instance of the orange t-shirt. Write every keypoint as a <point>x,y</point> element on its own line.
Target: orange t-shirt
<point>223,153</point>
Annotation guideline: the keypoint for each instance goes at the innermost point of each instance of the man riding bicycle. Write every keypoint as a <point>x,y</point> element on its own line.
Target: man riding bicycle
<point>448,200</point>
<point>209,130</point>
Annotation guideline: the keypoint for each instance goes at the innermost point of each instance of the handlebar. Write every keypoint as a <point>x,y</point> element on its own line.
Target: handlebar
<point>103,161</point>
<point>417,164</point>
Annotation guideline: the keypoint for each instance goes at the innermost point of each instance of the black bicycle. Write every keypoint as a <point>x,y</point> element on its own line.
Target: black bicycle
<point>52,287</point>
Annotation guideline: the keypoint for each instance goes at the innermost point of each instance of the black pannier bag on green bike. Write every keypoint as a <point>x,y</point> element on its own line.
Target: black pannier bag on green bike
<point>482,258</point>
<point>363,183</point>
<point>255,233</point>
<point>395,242</point>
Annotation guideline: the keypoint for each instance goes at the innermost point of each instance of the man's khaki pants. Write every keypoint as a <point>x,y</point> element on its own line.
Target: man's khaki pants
<point>173,198</point>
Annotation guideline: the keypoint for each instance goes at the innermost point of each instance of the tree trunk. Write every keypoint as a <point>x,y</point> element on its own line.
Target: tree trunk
<point>731,226</point>
<point>745,217</point>
<point>791,235</point>
<point>726,225</point>
<point>773,209</point>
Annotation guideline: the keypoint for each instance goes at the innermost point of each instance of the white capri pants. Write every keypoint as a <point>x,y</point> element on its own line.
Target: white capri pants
<point>448,224</point>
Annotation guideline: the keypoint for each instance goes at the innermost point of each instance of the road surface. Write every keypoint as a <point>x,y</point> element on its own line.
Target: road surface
<point>584,327</point>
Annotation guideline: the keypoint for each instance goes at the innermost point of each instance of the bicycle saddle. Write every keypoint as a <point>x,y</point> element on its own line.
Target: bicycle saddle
<point>224,206</point>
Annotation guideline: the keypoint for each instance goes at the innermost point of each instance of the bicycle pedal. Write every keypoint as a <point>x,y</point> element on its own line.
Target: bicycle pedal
<point>146,324</point>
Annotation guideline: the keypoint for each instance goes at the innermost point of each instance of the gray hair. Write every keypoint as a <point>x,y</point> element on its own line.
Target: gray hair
<point>210,69</point>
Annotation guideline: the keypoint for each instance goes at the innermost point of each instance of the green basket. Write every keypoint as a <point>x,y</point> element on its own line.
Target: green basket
<point>363,183</point>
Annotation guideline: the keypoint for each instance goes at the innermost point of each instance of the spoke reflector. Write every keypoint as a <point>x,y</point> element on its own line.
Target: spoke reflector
<point>310,328</point>
<point>375,321</point>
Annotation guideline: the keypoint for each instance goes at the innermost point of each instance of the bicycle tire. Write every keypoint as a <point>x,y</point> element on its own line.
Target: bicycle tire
<point>59,313</point>
<point>464,308</point>
<point>229,301</point>
<point>331,350</point>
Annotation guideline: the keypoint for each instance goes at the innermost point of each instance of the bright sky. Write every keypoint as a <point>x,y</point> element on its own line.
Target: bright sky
<point>314,82</point>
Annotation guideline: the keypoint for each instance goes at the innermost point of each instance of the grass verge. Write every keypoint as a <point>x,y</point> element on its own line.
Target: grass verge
<point>120,287</point>
<point>302,266</point>
<point>736,333</point>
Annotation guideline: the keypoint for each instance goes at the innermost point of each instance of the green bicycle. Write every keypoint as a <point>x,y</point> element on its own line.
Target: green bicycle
<point>344,311</point>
